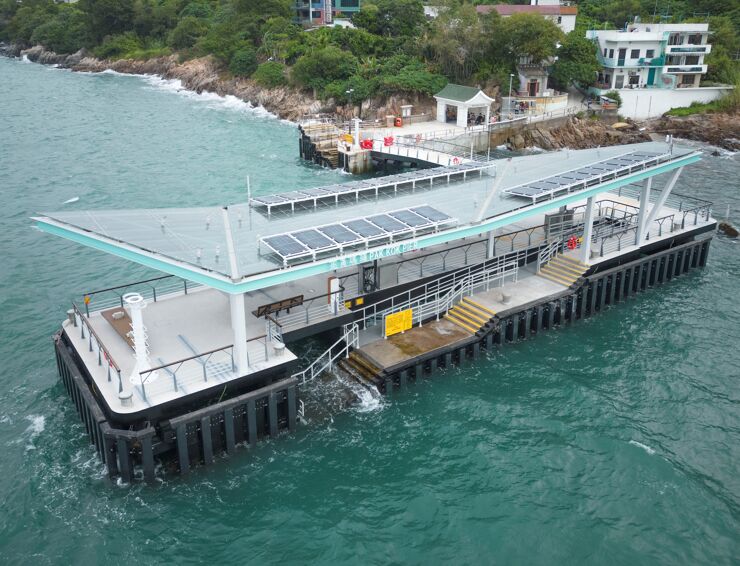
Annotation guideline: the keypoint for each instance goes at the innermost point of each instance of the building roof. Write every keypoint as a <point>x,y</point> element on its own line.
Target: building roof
<point>218,246</point>
<point>510,9</point>
<point>465,94</point>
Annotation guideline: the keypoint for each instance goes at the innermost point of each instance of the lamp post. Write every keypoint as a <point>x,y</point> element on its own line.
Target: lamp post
<point>349,94</point>
<point>511,79</point>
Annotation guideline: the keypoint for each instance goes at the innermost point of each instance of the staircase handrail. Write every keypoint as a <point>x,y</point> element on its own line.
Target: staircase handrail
<point>548,252</point>
<point>350,339</point>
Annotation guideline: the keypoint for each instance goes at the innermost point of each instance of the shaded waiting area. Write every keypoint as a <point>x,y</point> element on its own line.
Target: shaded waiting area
<point>463,105</point>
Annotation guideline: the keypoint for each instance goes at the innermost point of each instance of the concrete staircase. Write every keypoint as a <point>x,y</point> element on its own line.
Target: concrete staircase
<point>470,316</point>
<point>563,270</point>
<point>357,366</point>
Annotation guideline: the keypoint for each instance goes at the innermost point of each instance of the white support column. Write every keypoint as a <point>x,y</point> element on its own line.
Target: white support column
<point>489,245</point>
<point>662,198</point>
<point>588,229</point>
<point>642,214</point>
<point>357,133</point>
<point>239,331</point>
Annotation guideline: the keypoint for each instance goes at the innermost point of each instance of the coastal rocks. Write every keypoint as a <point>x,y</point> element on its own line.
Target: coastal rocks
<point>38,54</point>
<point>580,133</point>
<point>721,130</point>
<point>728,229</point>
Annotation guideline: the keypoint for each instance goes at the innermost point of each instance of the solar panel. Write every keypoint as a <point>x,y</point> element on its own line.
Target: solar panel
<point>317,192</point>
<point>269,199</point>
<point>364,228</point>
<point>285,245</point>
<point>387,223</point>
<point>313,239</point>
<point>409,218</point>
<point>339,234</point>
<point>431,213</point>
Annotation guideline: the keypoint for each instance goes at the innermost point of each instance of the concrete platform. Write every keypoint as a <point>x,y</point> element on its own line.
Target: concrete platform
<point>414,343</point>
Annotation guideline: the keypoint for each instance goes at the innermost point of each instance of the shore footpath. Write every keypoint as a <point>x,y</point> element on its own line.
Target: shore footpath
<point>206,75</point>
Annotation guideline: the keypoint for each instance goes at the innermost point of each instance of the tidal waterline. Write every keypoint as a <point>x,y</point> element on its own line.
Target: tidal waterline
<point>611,441</point>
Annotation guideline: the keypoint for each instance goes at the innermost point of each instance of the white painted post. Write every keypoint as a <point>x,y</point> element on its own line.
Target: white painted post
<point>642,213</point>
<point>357,133</point>
<point>136,304</point>
<point>239,332</point>
<point>588,229</point>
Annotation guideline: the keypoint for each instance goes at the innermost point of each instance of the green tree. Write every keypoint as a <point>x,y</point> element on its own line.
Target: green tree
<point>270,74</point>
<point>317,69</point>
<point>244,62</point>
<point>577,61</point>
<point>527,35</point>
<point>391,18</point>
<point>108,17</point>
<point>187,32</point>
<point>65,33</point>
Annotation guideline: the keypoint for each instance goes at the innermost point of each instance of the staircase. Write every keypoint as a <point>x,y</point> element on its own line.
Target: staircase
<point>470,316</point>
<point>360,368</point>
<point>563,270</point>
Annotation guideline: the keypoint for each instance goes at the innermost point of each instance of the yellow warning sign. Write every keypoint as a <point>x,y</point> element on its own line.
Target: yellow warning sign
<point>348,138</point>
<point>398,322</point>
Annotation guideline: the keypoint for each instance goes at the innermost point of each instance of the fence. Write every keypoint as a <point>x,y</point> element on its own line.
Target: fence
<point>96,346</point>
<point>152,289</point>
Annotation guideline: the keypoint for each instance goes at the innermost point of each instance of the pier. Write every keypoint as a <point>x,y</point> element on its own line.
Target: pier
<point>401,275</point>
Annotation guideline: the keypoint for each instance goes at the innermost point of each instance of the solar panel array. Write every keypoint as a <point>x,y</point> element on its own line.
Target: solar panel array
<point>357,188</point>
<point>390,226</point>
<point>586,176</point>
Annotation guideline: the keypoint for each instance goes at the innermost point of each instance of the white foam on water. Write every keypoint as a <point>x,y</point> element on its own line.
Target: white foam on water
<point>25,59</point>
<point>37,426</point>
<point>216,101</point>
<point>645,447</point>
<point>71,200</point>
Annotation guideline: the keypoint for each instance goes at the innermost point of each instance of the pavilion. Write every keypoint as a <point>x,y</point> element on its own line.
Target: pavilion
<point>464,99</point>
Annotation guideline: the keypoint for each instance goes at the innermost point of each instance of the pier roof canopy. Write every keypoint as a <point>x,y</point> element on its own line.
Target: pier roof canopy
<point>219,246</point>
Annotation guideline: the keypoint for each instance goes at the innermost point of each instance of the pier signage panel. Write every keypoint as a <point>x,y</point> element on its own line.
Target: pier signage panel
<point>398,322</point>
<point>372,255</point>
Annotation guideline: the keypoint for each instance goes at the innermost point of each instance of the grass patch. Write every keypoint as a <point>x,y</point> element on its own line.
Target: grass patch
<point>729,103</point>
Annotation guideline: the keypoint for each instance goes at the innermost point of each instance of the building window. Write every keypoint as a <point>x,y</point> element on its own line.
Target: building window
<point>608,79</point>
<point>688,80</point>
<point>605,51</point>
<point>691,60</point>
<point>650,53</point>
<point>634,79</point>
<point>560,19</point>
<point>611,54</point>
<point>695,39</point>
<point>316,14</point>
<point>635,54</point>
<point>619,81</point>
<point>350,3</point>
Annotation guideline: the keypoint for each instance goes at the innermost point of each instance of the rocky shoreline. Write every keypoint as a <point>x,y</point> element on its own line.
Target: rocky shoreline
<point>207,75</point>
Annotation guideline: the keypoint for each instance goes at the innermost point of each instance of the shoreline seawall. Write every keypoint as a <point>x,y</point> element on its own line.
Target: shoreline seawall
<point>205,74</point>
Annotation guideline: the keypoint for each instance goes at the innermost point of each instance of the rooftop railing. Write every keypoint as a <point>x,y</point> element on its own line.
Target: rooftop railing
<point>152,289</point>
<point>96,346</point>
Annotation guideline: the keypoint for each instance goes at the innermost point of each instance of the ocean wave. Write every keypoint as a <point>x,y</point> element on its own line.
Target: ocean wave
<point>645,447</point>
<point>216,101</point>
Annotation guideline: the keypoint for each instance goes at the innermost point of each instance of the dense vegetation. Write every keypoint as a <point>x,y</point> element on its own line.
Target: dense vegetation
<point>394,48</point>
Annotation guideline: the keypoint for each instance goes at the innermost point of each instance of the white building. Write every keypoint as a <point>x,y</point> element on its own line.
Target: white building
<point>655,67</point>
<point>560,13</point>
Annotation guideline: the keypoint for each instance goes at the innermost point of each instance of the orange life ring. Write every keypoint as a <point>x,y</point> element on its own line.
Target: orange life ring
<point>572,243</point>
<point>456,161</point>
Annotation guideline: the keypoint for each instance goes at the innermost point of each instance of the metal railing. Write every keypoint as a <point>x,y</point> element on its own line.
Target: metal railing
<point>213,366</point>
<point>152,289</point>
<point>431,299</point>
<point>96,346</point>
<point>547,253</point>
<point>311,310</point>
<point>341,348</point>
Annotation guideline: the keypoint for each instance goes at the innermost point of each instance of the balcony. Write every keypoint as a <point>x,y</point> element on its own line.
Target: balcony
<point>688,49</point>
<point>684,69</point>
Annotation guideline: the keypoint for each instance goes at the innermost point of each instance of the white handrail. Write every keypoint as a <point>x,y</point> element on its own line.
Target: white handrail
<point>547,253</point>
<point>350,339</point>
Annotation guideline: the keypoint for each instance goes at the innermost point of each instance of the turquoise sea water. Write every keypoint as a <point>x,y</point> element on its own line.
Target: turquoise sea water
<point>615,441</point>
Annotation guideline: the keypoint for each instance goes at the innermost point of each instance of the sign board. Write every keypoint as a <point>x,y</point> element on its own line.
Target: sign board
<point>398,322</point>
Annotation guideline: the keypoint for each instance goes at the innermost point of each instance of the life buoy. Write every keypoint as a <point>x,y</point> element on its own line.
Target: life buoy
<point>572,243</point>
<point>388,141</point>
<point>456,161</point>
